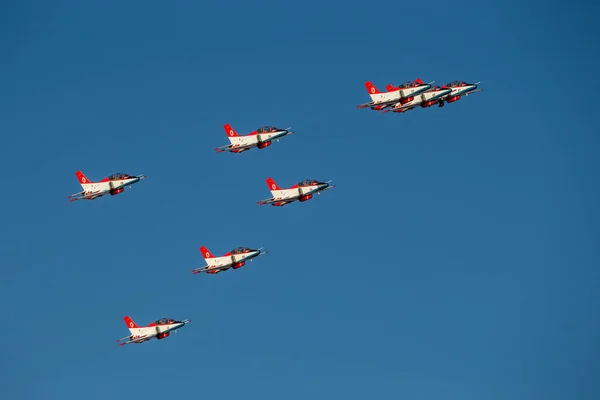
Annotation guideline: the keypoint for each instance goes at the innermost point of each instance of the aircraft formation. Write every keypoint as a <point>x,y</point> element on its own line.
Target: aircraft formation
<point>410,95</point>
<point>397,99</point>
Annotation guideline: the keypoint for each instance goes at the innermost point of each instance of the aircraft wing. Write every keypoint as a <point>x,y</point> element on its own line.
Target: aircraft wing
<point>230,147</point>
<point>372,104</point>
<point>140,339</point>
<point>365,105</point>
<point>400,109</point>
<point>89,196</point>
<point>207,268</point>
<point>273,200</point>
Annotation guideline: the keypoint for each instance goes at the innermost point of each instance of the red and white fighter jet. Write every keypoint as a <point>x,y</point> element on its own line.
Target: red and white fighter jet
<point>302,191</point>
<point>402,94</point>
<point>261,138</point>
<point>113,184</point>
<point>159,329</point>
<point>235,259</point>
<point>459,89</point>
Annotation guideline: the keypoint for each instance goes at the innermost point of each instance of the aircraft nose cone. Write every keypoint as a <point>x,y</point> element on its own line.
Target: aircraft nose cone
<point>471,86</point>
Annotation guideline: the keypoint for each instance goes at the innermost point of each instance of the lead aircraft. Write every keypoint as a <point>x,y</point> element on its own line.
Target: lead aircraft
<point>302,191</point>
<point>459,89</point>
<point>261,138</point>
<point>235,259</point>
<point>402,94</point>
<point>159,329</point>
<point>113,184</point>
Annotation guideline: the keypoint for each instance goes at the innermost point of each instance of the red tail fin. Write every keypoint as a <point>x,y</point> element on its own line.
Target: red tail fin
<point>229,130</point>
<point>272,185</point>
<point>418,81</point>
<point>206,253</point>
<point>82,178</point>
<point>129,322</point>
<point>371,88</point>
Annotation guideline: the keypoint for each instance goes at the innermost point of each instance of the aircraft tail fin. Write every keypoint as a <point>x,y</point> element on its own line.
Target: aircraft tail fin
<point>418,81</point>
<point>206,253</point>
<point>371,88</point>
<point>230,131</point>
<point>272,185</point>
<point>83,180</point>
<point>130,324</point>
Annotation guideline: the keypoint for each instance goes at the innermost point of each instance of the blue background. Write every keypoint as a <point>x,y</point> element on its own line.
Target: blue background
<point>457,258</point>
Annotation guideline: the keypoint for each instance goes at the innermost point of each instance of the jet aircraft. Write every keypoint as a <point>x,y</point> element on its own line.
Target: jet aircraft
<point>235,259</point>
<point>261,138</point>
<point>402,94</point>
<point>113,184</point>
<point>459,89</point>
<point>159,329</point>
<point>302,191</point>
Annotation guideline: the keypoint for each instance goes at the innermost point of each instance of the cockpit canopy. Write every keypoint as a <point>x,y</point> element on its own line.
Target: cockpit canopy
<point>165,321</point>
<point>308,182</point>
<point>118,176</point>
<point>455,84</point>
<point>267,129</point>
<point>407,84</point>
<point>240,250</point>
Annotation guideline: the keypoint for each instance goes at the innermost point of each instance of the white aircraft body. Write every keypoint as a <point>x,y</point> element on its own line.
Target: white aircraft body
<point>235,259</point>
<point>301,191</point>
<point>260,138</point>
<point>112,185</point>
<point>159,329</point>
<point>402,94</point>
<point>460,89</point>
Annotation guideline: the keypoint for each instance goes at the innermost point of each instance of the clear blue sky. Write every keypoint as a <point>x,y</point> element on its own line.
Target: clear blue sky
<point>457,258</point>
